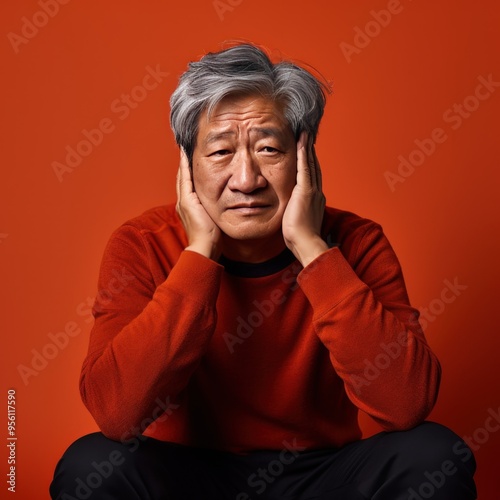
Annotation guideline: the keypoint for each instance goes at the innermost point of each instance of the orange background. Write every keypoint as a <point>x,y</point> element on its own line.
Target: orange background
<point>442,220</point>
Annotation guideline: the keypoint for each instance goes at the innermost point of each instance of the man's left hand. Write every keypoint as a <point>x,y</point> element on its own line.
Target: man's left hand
<point>304,213</point>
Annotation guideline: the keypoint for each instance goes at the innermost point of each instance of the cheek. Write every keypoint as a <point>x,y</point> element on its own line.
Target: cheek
<point>283,182</point>
<point>207,183</point>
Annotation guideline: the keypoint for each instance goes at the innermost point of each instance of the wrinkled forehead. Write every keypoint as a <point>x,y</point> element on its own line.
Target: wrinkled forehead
<point>253,115</point>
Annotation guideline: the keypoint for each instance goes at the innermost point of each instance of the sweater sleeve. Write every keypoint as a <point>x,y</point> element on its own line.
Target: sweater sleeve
<point>362,314</point>
<point>147,340</point>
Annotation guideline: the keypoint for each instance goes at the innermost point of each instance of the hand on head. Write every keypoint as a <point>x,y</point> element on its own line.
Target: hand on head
<point>202,232</point>
<point>304,213</point>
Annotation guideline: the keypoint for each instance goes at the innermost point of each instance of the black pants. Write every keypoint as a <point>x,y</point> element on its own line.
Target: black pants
<point>429,461</point>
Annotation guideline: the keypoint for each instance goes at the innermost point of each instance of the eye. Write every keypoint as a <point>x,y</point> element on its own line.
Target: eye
<point>269,149</point>
<point>221,152</point>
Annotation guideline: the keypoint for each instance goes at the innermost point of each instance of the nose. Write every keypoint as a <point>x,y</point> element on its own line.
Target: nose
<point>246,175</point>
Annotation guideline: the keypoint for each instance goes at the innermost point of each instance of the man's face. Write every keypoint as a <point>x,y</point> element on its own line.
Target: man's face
<point>244,166</point>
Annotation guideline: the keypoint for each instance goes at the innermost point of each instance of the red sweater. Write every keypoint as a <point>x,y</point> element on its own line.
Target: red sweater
<point>246,356</point>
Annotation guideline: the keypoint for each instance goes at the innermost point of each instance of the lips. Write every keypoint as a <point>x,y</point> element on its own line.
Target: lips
<point>250,205</point>
<point>253,208</point>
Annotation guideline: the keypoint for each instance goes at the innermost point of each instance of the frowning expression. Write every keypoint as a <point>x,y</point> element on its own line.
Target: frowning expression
<point>245,165</point>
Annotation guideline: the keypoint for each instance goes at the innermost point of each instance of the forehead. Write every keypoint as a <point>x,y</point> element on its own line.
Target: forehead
<point>236,114</point>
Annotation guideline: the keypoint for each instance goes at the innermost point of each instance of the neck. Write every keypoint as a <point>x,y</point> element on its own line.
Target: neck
<point>252,251</point>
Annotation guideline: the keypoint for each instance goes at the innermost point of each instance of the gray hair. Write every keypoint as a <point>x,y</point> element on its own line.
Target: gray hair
<point>244,69</point>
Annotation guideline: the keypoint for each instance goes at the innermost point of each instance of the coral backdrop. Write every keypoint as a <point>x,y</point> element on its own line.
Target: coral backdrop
<point>409,139</point>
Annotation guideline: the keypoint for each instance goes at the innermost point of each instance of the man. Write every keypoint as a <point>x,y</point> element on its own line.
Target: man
<point>253,323</point>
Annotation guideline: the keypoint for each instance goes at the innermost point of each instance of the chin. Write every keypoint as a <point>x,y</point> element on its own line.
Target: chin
<point>251,230</point>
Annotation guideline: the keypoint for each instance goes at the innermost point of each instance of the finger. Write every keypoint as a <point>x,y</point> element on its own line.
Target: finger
<point>311,162</point>
<point>183,182</point>
<point>317,168</point>
<point>303,167</point>
<point>185,179</point>
<point>178,182</point>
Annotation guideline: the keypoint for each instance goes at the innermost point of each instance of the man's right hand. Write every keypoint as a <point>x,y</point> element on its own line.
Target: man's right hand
<point>203,234</point>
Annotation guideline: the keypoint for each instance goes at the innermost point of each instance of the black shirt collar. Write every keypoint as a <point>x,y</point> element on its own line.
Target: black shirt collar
<point>258,270</point>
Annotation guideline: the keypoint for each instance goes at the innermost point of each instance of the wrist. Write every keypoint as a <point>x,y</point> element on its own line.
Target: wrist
<point>206,248</point>
<point>309,250</point>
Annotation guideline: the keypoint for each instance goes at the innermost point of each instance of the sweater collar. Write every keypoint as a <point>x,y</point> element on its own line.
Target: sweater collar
<point>258,270</point>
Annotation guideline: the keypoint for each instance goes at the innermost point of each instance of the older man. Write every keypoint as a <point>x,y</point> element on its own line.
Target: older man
<point>256,323</point>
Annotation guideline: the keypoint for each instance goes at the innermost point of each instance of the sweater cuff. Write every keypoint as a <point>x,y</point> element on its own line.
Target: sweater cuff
<point>195,276</point>
<point>328,280</point>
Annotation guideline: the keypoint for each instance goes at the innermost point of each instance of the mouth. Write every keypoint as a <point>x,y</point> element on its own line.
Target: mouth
<point>249,208</point>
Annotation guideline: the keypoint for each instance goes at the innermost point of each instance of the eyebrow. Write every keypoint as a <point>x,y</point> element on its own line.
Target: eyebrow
<point>212,137</point>
<point>262,131</point>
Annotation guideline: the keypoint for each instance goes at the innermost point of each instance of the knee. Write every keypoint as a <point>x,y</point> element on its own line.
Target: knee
<point>439,463</point>
<point>433,445</point>
<point>90,463</point>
